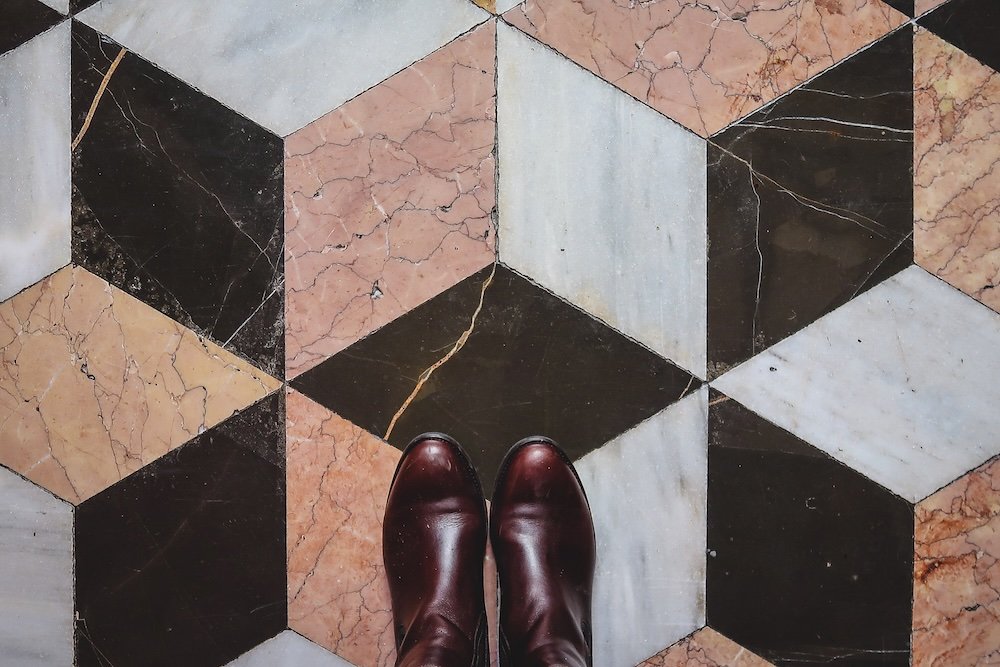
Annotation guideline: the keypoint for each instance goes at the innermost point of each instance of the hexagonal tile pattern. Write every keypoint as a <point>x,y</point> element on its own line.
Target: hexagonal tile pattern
<point>508,345</point>
<point>703,65</point>
<point>904,410</point>
<point>94,384</point>
<point>789,245</point>
<point>36,575</point>
<point>621,240</point>
<point>497,218</point>
<point>390,199</point>
<point>272,77</point>
<point>956,596</point>
<point>177,200</point>
<point>183,563</point>
<point>823,552</point>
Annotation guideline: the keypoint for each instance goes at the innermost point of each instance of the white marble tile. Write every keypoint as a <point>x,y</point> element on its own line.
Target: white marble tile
<point>648,492</point>
<point>283,64</point>
<point>36,575</point>
<point>504,5</point>
<point>900,384</point>
<point>34,160</point>
<point>289,650</point>
<point>58,5</point>
<point>602,200</point>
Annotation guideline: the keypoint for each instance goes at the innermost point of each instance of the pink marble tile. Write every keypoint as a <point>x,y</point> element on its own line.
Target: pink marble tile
<point>705,648</point>
<point>956,195</point>
<point>338,477</point>
<point>95,384</point>
<point>706,64</point>
<point>956,590</point>
<point>924,6</point>
<point>390,199</point>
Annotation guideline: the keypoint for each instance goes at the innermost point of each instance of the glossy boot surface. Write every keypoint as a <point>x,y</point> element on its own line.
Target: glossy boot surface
<point>543,539</point>
<point>434,542</point>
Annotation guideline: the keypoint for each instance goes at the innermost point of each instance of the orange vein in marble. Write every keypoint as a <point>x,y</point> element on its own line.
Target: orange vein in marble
<point>97,99</point>
<point>956,591</point>
<point>94,384</point>
<point>455,349</point>
<point>390,199</point>
<point>705,648</point>
<point>956,191</point>
<point>705,65</point>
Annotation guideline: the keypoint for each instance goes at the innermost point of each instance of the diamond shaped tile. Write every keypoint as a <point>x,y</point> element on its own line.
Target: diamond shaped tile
<point>647,491</point>
<point>338,479</point>
<point>390,199</point>
<point>705,648</point>
<point>183,563</point>
<point>705,65</point>
<point>36,575</point>
<point>624,235</point>
<point>810,202</point>
<point>94,384</point>
<point>957,231</point>
<point>897,384</point>
<point>34,160</point>
<point>303,60</point>
<point>532,364</point>
<point>177,200</point>
<point>971,25</point>
<point>20,20</point>
<point>808,561</point>
<point>289,650</point>
<point>956,597</point>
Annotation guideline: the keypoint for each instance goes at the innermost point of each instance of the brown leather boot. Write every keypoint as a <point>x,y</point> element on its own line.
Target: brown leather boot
<point>543,540</point>
<point>433,544</point>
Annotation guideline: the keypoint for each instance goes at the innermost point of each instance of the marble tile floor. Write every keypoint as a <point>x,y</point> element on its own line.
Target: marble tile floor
<point>740,258</point>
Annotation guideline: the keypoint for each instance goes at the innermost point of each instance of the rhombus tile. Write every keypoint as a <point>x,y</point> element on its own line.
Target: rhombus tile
<point>94,384</point>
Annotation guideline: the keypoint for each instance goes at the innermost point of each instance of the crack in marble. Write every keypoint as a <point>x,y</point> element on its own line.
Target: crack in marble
<point>97,98</point>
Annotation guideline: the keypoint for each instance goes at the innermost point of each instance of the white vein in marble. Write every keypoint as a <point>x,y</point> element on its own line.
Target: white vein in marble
<point>61,6</point>
<point>36,575</point>
<point>900,384</point>
<point>602,200</point>
<point>289,649</point>
<point>648,492</point>
<point>34,160</point>
<point>283,64</point>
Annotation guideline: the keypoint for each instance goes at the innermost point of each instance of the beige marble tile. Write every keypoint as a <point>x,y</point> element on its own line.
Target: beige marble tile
<point>924,6</point>
<point>706,64</point>
<point>390,199</point>
<point>338,478</point>
<point>956,596</point>
<point>95,384</point>
<point>705,648</point>
<point>956,192</point>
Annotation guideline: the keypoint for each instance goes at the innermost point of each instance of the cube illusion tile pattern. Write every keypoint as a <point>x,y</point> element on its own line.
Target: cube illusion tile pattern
<point>740,260</point>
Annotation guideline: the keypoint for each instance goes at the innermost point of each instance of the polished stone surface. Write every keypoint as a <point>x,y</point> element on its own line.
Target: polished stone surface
<point>177,200</point>
<point>20,20</point>
<point>183,562</point>
<point>36,575</point>
<point>907,412</point>
<point>526,349</point>
<point>648,492</point>
<point>622,240</point>
<point>34,160</point>
<point>823,553</point>
<point>283,64</point>
<point>289,650</point>
<point>789,244</point>
<point>971,25</point>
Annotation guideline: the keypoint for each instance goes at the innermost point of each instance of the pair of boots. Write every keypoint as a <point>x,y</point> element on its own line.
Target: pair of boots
<point>434,543</point>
